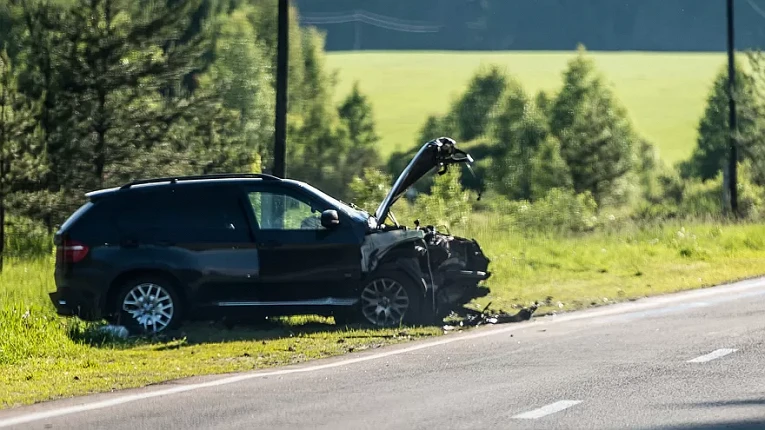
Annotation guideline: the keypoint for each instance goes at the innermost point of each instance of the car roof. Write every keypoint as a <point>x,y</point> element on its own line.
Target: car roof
<point>184,180</point>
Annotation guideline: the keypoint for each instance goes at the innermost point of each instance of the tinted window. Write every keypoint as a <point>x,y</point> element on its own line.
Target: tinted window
<point>278,211</point>
<point>184,215</point>
<point>75,216</point>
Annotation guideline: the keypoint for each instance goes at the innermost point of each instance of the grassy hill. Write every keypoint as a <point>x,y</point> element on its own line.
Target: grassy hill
<point>665,93</point>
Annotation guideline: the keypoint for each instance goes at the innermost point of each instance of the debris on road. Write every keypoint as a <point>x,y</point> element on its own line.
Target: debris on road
<point>473,318</point>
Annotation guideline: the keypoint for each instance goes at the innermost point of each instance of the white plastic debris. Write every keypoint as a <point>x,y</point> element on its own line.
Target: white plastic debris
<point>117,331</point>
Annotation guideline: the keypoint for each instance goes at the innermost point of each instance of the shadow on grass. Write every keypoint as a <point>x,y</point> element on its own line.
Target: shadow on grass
<point>262,329</point>
<point>217,331</point>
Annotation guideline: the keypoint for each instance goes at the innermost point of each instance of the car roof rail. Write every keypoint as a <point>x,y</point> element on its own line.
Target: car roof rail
<point>176,179</point>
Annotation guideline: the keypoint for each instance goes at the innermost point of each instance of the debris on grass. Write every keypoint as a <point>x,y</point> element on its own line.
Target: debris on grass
<point>472,318</point>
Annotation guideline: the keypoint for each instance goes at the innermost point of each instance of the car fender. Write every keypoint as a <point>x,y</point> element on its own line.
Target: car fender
<point>377,246</point>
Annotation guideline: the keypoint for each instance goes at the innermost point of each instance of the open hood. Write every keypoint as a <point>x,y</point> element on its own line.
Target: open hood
<point>438,153</point>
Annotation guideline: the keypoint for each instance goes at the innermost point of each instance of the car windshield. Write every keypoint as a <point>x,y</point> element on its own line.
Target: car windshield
<point>352,212</point>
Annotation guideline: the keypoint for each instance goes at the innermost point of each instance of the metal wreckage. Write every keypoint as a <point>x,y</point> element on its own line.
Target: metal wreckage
<point>451,267</point>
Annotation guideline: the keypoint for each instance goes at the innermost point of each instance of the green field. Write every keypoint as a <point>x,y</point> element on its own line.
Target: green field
<point>44,357</point>
<point>664,93</point>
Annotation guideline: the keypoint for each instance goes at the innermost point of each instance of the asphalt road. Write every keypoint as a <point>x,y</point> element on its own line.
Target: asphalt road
<point>694,360</point>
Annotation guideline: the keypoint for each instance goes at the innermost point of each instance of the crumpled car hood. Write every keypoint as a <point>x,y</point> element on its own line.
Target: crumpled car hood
<point>437,153</point>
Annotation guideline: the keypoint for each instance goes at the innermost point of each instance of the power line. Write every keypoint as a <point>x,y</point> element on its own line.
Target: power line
<point>362,16</point>
<point>370,18</point>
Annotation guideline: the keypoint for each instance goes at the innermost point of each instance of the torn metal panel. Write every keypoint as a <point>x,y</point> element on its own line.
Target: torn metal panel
<point>377,245</point>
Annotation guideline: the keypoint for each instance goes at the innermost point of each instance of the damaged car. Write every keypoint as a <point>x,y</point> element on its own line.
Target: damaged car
<point>152,253</point>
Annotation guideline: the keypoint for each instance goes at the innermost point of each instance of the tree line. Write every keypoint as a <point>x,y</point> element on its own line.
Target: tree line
<point>96,93</point>
<point>579,142</point>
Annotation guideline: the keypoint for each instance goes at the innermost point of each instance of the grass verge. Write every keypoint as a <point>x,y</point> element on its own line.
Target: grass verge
<point>44,357</point>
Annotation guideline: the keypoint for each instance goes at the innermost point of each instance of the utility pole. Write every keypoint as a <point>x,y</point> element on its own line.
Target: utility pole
<point>280,120</point>
<point>733,161</point>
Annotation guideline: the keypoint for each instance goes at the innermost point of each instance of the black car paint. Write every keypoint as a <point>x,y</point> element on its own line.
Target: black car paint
<point>300,265</point>
<point>306,264</point>
<point>247,268</point>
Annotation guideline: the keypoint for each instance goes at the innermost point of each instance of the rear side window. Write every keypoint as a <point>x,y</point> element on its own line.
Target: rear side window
<point>184,215</point>
<point>76,216</point>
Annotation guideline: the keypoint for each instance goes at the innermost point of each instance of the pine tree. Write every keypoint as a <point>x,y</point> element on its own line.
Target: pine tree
<point>474,109</point>
<point>243,78</point>
<point>548,169</point>
<point>597,140</point>
<point>518,129</point>
<point>712,149</point>
<point>118,57</point>
<point>356,113</point>
<point>20,149</point>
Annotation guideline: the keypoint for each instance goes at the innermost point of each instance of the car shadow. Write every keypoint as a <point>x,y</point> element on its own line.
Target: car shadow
<point>267,329</point>
<point>249,330</point>
<point>222,331</point>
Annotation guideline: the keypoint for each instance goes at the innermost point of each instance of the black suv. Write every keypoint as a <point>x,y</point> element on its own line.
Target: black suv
<point>151,253</point>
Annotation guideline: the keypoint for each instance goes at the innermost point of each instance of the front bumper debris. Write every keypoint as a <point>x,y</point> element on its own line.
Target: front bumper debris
<point>473,318</point>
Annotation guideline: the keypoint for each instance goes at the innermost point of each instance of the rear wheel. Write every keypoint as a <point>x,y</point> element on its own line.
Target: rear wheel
<point>390,298</point>
<point>149,304</point>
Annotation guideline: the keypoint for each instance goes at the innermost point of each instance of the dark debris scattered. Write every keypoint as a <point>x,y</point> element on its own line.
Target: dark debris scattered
<point>472,318</point>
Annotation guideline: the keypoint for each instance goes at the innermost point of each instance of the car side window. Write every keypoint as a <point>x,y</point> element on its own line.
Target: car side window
<point>279,211</point>
<point>185,215</point>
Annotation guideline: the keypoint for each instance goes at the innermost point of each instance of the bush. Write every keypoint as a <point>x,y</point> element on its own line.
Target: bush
<point>447,204</point>
<point>25,239</point>
<point>368,190</point>
<point>559,211</point>
<point>699,199</point>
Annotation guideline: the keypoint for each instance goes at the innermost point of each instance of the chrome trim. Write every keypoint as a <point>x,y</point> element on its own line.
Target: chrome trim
<point>328,301</point>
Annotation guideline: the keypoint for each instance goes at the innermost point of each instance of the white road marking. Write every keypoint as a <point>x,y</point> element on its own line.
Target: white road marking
<point>727,291</point>
<point>547,410</point>
<point>713,355</point>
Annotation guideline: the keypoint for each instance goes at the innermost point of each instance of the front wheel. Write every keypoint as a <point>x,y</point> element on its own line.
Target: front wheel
<point>148,305</point>
<point>390,298</point>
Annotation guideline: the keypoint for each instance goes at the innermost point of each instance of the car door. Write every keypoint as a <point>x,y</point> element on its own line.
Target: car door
<point>198,233</point>
<point>300,261</point>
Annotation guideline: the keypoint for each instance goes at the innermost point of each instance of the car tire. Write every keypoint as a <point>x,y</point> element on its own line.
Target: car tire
<point>149,305</point>
<point>383,295</point>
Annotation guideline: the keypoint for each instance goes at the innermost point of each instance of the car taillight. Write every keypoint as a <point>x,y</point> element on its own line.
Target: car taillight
<point>71,251</point>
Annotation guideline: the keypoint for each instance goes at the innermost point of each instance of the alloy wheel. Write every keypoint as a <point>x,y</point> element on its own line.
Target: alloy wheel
<point>384,302</point>
<point>150,305</point>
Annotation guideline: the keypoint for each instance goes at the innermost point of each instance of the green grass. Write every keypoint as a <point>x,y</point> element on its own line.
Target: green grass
<point>45,357</point>
<point>665,93</point>
<point>629,262</point>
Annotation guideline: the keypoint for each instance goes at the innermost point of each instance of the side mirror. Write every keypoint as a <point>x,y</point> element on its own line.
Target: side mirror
<point>329,218</point>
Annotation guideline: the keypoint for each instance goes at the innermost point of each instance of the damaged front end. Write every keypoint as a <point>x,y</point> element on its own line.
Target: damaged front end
<point>454,268</point>
<point>450,268</point>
